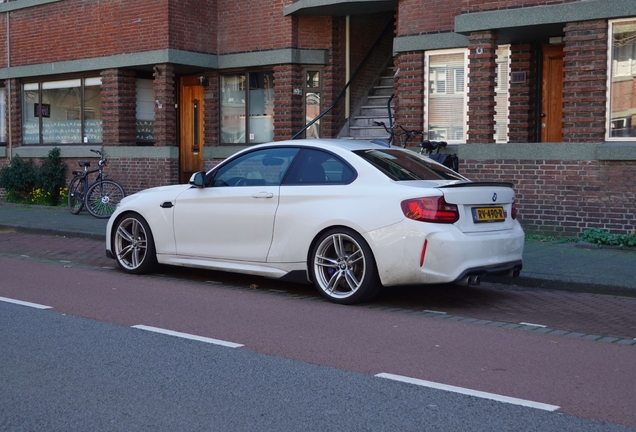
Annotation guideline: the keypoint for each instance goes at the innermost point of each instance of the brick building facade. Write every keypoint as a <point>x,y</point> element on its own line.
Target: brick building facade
<point>538,93</point>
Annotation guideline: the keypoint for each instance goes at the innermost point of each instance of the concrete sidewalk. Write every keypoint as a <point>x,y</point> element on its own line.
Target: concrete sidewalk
<point>565,266</point>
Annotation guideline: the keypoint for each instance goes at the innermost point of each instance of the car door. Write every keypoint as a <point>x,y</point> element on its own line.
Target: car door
<point>233,217</point>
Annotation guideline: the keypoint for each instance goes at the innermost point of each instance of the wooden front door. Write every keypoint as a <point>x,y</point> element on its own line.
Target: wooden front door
<point>191,139</point>
<point>552,94</point>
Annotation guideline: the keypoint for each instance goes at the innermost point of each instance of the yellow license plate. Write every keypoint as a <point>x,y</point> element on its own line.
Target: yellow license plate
<point>488,214</point>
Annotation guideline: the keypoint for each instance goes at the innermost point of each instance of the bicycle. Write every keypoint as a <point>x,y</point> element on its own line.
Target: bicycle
<point>448,160</point>
<point>393,134</point>
<point>99,197</point>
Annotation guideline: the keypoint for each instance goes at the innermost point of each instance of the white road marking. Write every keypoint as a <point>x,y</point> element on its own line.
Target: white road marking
<point>23,303</point>
<point>533,325</point>
<point>469,392</point>
<point>188,336</point>
<point>436,312</point>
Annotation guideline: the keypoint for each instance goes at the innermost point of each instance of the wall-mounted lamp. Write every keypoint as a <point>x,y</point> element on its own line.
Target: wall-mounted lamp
<point>203,81</point>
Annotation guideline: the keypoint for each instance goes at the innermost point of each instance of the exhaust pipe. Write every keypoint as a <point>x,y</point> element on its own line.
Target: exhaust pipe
<point>469,281</point>
<point>514,273</point>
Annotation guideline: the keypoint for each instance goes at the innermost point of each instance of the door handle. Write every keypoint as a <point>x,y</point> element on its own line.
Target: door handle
<point>263,195</point>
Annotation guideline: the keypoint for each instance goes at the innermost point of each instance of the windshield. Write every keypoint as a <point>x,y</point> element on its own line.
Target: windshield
<point>402,165</point>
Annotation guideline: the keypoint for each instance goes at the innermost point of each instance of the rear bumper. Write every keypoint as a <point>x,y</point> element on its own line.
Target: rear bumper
<point>450,254</point>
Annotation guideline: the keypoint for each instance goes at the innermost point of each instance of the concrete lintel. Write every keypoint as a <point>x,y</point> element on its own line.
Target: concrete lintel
<point>549,151</point>
<point>542,15</point>
<point>429,42</point>
<point>204,61</point>
<point>338,7</point>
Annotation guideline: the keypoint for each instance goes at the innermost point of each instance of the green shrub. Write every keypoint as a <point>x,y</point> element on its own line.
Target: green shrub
<point>25,182</point>
<point>50,175</point>
<point>603,238</point>
<point>18,179</point>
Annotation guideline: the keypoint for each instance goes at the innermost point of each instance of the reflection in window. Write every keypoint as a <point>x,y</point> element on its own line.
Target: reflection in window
<point>622,85</point>
<point>3,115</point>
<point>446,96</point>
<point>59,112</point>
<point>312,93</point>
<point>145,110</point>
<point>247,95</point>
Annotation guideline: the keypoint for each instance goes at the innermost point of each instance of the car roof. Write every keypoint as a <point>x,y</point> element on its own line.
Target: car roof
<point>328,144</point>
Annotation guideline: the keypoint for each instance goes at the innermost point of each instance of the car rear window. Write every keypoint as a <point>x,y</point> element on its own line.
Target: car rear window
<point>400,165</point>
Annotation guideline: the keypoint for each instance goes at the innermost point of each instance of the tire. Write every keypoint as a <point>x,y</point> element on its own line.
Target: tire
<point>133,245</point>
<point>102,198</point>
<point>76,195</point>
<point>343,268</point>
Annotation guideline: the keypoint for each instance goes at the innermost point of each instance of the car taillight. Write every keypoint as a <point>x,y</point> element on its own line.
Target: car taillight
<point>430,209</point>
<point>514,209</point>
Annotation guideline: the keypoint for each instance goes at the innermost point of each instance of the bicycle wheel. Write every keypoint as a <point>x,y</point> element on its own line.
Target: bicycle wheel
<point>76,195</point>
<point>102,198</point>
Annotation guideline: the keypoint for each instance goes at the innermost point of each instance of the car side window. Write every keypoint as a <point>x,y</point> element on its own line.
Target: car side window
<point>316,167</point>
<point>257,168</point>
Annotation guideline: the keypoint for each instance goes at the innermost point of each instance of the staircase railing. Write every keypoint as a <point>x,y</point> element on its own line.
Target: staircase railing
<point>343,91</point>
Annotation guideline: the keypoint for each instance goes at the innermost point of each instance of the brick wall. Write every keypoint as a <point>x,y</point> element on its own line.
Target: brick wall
<point>584,81</point>
<point>193,25</point>
<point>288,110</point>
<point>432,16</point>
<point>564,198</point>
<point>522,100</point>
<point>76,29</point>
<point>165,127</point>
<point>238,20</point>
<point>481,87</point>
<point>119,104</point>
<point>484,5</point>
<point>409,90</point>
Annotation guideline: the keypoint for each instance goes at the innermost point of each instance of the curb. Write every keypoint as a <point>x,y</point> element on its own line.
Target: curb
<point>563,285</point>
<point>53,232</point>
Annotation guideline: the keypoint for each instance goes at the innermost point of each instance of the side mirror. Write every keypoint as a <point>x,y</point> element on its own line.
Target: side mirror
<point>198,179</point>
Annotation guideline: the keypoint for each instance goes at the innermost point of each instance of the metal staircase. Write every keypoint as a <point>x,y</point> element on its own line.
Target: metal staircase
<point>373,109</point>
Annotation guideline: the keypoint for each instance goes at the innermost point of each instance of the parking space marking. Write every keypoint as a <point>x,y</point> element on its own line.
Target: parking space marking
<point>23,303</point>
<point>469,392</point>
<point>188,336</point>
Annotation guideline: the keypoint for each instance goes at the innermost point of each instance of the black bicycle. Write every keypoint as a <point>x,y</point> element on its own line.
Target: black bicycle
<point>99,197</point>
<point>396,132</point>
<point>430,147</point>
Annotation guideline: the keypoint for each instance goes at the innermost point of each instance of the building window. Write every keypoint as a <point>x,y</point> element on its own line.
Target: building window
<point>502,94</point>
<point>247,108</point>
<point>62,112</point>
<point>145,111</point>
<point>3,115</point>
<point>313,107</point>
<point>622,81</point>
<point>446,96</point>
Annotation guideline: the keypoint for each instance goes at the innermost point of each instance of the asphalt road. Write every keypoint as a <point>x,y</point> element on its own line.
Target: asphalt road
<point>589,379</point>
<point>65,373</point>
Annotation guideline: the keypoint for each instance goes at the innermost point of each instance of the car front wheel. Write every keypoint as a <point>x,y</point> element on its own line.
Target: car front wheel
<point>134,246</point>
<point>343,268</point>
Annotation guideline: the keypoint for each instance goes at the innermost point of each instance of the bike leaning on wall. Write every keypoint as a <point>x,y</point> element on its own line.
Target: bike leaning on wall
<point>99,197</point>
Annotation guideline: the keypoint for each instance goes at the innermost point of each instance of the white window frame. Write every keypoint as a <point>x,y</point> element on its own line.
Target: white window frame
<point>500,88</point>
<point>427,95</point>
<point>610,65</point>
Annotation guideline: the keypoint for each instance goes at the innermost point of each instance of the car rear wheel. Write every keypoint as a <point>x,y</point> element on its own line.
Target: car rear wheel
<point>343,268</point>
<point>134,246</point>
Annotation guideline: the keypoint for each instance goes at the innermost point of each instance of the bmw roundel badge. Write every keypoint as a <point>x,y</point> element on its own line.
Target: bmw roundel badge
<point>494,197</point>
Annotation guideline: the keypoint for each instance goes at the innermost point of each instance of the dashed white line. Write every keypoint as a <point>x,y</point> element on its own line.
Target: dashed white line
<point>23,303</point>
<point>188,336</point>
<point>532,325</point>
<point>469,392</point>
<point>435,312</point>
